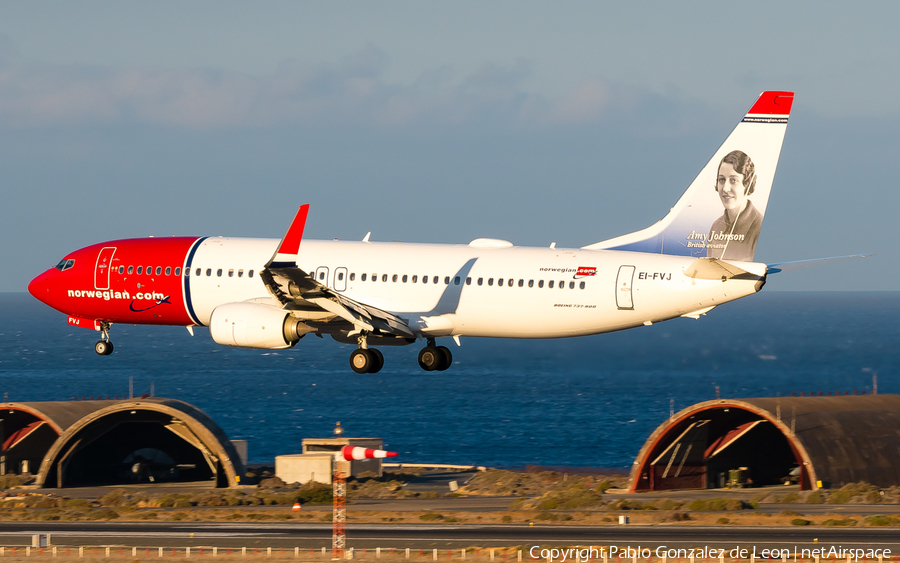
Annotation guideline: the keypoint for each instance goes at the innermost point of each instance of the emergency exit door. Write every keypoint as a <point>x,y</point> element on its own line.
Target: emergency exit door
<point>623,288</point>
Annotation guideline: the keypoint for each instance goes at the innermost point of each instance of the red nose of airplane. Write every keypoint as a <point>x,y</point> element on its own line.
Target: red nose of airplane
<point>40,287</point>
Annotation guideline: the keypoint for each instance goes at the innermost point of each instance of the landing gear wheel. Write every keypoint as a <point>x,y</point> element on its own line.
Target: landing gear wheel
<point>377,360</point>
<point>103,347</point>
<point>446,360</point>
<point>430,358</point>
<point>361,361</point>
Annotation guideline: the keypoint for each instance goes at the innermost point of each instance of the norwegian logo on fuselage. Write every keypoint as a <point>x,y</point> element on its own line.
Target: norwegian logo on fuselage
<point>585,272</point>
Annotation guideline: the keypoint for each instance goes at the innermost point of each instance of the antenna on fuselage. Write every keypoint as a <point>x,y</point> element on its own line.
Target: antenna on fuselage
<point>366,238</point>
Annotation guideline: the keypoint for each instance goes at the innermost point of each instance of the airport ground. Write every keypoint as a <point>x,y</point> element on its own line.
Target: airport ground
<point>432,519</point>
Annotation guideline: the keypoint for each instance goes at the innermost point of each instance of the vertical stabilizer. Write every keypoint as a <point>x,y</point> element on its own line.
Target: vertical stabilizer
<point>721,213</point>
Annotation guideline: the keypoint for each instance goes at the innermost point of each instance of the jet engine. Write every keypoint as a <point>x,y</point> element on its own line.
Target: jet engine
<point>253,325</point>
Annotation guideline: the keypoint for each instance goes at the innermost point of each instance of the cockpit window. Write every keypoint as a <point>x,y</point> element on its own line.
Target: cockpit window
<point>65,264</point>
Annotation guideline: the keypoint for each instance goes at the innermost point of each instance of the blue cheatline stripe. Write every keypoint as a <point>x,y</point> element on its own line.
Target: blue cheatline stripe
<point>187,281</point>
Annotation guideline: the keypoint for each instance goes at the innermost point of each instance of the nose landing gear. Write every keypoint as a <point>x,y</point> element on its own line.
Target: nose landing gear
<point>104,347</point>
<point>435,358</point>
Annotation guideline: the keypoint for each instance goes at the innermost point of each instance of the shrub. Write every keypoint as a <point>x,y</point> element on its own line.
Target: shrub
<point>790,498</point>
<point>681,517</point>
<point>114,498</point>
<point>800,522</point>
<point>547,516</point>
<point>148,516</point>
<point>431,516</point>
<point>839,497</point>
<point>670,504</point>
<point>815,498</point>
<point>882,520</point>
<point>506,519</point>
<point>723,521</point>
<point>77,503</point>
<point>102,514</point>
<point>10,481</point>
<point>548,504</point>
<point>178,516</point>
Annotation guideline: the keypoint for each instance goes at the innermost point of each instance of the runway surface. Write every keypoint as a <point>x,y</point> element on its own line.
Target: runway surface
<point>305,535</point>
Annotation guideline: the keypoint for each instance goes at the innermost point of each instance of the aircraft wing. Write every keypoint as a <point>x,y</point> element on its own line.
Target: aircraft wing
<point>297,290</point>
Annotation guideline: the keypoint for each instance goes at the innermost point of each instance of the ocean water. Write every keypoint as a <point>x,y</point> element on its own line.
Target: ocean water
<point>585,402</point>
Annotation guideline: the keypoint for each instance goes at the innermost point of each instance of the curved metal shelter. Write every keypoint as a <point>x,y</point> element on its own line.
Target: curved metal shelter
<point>822,442</point>
<point>84,443</point>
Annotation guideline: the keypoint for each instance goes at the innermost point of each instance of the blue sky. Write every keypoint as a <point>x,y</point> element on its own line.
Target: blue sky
<point>529,121</point>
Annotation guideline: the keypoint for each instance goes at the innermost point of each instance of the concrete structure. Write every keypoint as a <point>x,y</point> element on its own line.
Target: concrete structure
<point>106,442</point>
<point>311,464</point>
<point>828,441</point>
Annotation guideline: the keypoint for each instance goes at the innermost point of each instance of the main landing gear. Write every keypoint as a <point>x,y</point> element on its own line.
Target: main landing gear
<point>435,358</point>
<point>104,347</point>
<point>370,360</point>
<point>365,359</point>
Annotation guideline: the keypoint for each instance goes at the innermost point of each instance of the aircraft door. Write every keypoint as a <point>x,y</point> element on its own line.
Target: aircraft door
<point>322,275</point>
<point>340,279</point>
<point>103,266</point>
<point>623,288</point>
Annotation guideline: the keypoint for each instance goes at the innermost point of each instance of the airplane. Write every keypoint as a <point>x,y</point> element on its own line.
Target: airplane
<point>269,294</point>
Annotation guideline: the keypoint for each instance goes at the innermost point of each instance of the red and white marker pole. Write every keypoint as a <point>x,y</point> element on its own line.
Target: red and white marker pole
<point>339,514</point>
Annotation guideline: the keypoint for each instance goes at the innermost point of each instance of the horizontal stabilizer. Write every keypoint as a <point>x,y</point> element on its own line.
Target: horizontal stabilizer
<point>797,264</point>
<point>715,269</point>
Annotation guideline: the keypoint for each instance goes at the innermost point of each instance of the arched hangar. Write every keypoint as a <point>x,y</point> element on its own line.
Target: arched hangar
<point>140,440</point>
<point>818,441</point>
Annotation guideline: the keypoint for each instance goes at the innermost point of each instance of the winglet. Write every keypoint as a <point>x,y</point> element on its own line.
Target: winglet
<point>286,255</point>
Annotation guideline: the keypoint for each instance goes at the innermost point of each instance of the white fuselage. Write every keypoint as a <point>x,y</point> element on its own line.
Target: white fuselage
<point>545,292</point>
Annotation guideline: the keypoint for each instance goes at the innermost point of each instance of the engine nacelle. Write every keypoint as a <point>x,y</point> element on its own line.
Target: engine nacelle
<point>252,325</point>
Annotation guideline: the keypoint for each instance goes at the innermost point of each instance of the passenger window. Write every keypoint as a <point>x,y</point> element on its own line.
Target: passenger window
<point>149,270</point>
<point>540,283</point>
<point>446,280</point>
<point>177,271</point>
<point>140,270</point>
<point>490,281</point>
<point>530,283</point>
<point>340,276</point>
<point>434,279</point>
<point>187,272</point>
<point>241,273</point>
<point>219,272</point>
<point>159,270</point>
<point>353,276</point>
<point>424,279</point>
<point>480,281</point>
<point>121,269</point>
<point>321,276</point>
<point>130,269</point>
<point>198,272</point>
<point>208,272</point>
<point>394,278</point>
<point>384,277</point>
<point>468,281</point>
<point>250,274</point>
<point>362,277</point>
<point>571,285</point>
<point>168,270</point>
<point>415,279</point>
<point>581,285</point>
<point>404,278</point>
<point>230,272</point>
<point>510,282</point>
<point>500,282</point>
<point>456,280</point>
<point>550,284</point>
<point>521,283</point>
<point>562,284</point>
